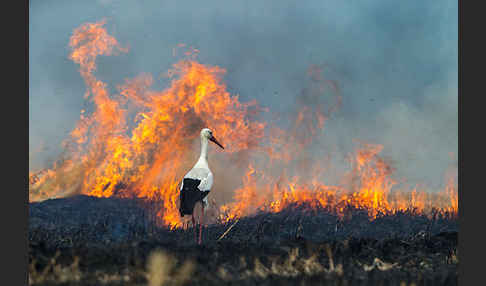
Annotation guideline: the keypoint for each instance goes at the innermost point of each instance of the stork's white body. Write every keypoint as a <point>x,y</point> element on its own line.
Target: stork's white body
<point>201,171</point>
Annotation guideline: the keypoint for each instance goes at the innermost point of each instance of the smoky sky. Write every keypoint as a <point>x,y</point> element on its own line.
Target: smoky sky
<point>395,63</point>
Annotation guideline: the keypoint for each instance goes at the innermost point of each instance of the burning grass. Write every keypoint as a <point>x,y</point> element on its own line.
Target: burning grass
<point>139,142</point>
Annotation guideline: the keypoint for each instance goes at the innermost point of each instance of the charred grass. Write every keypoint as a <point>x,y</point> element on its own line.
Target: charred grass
<point>90,241</point>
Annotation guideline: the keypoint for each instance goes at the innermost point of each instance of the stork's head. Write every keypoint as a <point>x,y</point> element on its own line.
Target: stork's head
<point>208,134</point>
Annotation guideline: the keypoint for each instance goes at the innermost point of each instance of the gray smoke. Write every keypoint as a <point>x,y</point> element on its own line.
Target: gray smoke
<point>395,63</point>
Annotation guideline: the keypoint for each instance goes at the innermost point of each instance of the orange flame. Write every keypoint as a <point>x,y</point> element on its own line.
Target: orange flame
<point>140,142</point>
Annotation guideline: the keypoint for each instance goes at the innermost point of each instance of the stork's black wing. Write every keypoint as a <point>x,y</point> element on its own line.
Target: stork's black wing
<point>190,195</point>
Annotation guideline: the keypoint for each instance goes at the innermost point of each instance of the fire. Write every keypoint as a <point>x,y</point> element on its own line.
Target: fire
<point>148,159</point>
<point>372,192</point>
<point>139,142</point>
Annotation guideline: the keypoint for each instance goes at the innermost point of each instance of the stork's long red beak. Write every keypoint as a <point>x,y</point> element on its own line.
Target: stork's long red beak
<point>216,141</point>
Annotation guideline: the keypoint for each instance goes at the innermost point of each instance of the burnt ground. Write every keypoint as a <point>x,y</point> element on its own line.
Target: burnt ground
<point>111,241</point>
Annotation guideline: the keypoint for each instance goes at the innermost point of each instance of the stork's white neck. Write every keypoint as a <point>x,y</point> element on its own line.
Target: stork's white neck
<point>203,158</point>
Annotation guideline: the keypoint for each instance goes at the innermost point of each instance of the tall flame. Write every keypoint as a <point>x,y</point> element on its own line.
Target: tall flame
<point>139,142</point>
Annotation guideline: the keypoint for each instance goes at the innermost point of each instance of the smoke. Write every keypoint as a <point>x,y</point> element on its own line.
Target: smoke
<point>395,65</point>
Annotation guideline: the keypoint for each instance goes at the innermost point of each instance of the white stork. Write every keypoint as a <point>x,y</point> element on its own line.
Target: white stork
<point>197,183</point>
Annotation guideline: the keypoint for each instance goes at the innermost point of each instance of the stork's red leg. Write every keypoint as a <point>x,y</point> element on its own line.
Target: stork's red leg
<point>194,227</point>
<point>201,222</point>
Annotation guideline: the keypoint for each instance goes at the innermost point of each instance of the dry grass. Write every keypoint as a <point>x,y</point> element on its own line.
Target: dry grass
<point>161,270</point>
<point>55,272</point>
<point>453,257</point>
<point>380,265</point>
<point>294,265</point>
